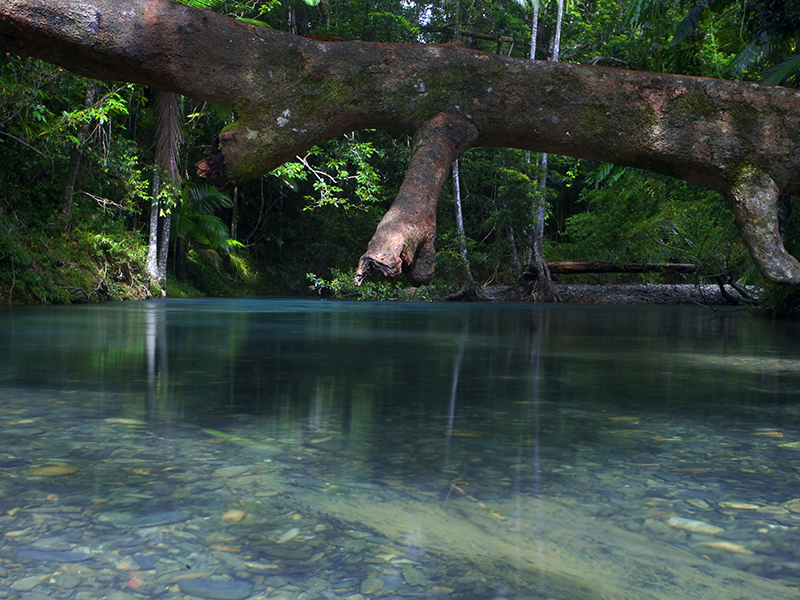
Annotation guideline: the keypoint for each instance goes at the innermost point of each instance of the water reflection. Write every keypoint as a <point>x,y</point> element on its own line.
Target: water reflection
<point>301,449</point>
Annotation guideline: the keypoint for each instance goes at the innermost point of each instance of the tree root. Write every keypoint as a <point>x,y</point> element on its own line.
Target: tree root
<point>542,288</point>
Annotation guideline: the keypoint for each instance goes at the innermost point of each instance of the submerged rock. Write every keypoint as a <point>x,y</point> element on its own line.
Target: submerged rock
<point>216,589</point>
<point>695,526</point>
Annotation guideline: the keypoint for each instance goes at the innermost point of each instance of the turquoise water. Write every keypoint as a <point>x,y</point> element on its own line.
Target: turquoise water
<point>288,449</point>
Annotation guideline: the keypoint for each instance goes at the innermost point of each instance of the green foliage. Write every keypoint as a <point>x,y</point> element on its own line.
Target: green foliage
<point>341,173</point>
<point>633,216</point>
<point>42,265</point>
<point>341,285</point>
<point>193,217</point>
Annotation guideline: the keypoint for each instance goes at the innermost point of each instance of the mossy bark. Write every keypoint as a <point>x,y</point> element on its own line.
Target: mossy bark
<point>290,93</point>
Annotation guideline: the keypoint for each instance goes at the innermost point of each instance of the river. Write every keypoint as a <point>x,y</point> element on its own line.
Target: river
<point>253,448</point>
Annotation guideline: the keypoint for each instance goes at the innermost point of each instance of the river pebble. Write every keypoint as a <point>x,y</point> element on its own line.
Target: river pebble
<point>216,589</point>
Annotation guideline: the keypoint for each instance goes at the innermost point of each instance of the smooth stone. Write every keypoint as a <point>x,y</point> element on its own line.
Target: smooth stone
<point>53,471</point>
<point>22,431</point>
<point>162,518</point>
<point>51,543</point>
<point>727,547</point>
<point>68,581</point>
<point>234,515</point>
<point>328,445</point>
<point>413,576</point>
<point>118,595</point>
<point>371,585</point>
<point>216,589</point>
<point>262,450</point>
<point>162,489</point>
<point>291,534</point>
<point>230,471</point>
<point>145,561</point>
<point>695,526</point>
<point>656,526</point>
<point>27,583</point>
<point>287,553</point>
<point>305,481</point>
<point>54,555</point>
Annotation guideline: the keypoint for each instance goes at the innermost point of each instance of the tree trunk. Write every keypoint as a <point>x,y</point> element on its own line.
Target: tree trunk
<point>543,289</point>
<point>168,141</point>
<point>76,151</point>
<point>163,249</point>
<point>290,93</point>
<point>462,236</point>
<point>151,261</point>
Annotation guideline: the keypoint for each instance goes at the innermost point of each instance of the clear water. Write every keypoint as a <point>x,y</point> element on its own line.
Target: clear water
<point>286,449</point>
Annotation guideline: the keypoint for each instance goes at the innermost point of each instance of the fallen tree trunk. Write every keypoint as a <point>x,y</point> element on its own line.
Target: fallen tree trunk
<point>290,93</point>
<point>581,268</point>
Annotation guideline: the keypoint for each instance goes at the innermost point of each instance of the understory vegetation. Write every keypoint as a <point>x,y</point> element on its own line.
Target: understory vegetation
<point>88,207</point>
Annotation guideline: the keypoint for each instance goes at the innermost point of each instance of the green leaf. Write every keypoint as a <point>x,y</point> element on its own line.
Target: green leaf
<point>778,73</point>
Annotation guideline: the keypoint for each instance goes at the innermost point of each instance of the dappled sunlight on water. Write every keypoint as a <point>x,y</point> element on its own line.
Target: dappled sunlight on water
<point>278,449</point>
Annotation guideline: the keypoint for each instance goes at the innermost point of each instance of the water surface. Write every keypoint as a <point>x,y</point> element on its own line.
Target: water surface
<point>287,449</point>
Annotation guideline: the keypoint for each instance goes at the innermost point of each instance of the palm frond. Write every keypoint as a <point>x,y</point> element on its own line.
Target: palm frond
<point>253,21</point>
<point>778,73</point>
<point>205,199</point>
<point>750,56</point>
<point>690,23</point>
<point>210,230</point>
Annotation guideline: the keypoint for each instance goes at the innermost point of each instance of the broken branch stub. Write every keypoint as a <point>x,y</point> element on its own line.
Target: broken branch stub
<point>404,241</point>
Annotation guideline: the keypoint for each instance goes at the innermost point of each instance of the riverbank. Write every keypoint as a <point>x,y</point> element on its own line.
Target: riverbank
<point>668,294</point>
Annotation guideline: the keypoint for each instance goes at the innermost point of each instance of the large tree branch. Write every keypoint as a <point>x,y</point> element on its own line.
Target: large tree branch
<point>405,239</point>
<point>289,93</point>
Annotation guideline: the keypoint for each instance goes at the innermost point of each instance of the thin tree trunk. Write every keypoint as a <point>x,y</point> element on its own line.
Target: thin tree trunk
<point>534,30</point>
<point>544,289</point>
<point>462,238</point>
<point>76,151</point>
<point>151,262</point>
<point>163,249</point>
<point>557,38</point>
<point>516,267</point>
<point>168,140</point>
<point>534,38</point>
<point>539,212</point>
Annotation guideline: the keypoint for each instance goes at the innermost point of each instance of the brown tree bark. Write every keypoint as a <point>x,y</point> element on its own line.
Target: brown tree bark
<point>580,268</point>
<point>290,93</point>
<point>405,240</point>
